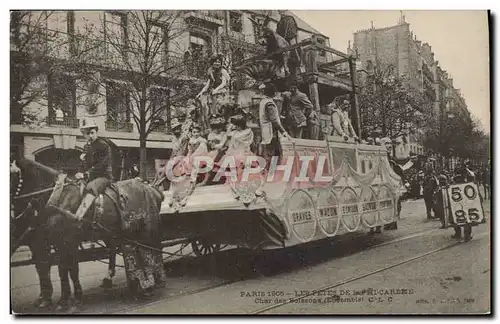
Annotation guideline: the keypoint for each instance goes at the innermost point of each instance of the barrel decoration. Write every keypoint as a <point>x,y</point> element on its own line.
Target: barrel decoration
<point>302,215</point>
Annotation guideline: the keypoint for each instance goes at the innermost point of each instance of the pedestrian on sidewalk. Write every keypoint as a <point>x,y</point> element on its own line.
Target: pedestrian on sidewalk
<point>430,186</point>
<point>463,177</point>
<point>441,200</point>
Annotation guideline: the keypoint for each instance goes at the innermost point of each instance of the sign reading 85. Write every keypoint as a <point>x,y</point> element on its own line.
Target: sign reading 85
<point>457,196</point>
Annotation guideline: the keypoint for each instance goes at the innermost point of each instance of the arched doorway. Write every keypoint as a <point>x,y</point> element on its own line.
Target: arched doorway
<point>66,161</point>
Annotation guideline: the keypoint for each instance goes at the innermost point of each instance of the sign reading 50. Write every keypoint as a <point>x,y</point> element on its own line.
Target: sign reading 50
<point>465,203</point>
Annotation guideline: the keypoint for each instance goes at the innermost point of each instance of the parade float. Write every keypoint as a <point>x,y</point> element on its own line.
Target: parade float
<point>361,193</point>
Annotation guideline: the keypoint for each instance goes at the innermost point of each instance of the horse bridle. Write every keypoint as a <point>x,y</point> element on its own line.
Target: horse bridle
<point>61,183</point>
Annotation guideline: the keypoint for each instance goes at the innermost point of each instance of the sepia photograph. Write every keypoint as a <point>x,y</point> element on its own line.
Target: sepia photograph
<point>250,162</point>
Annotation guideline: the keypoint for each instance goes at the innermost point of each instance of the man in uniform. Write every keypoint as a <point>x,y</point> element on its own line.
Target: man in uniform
<point>299,106</point>
<point>463,177</point>
<point>441,203</point>
<point>430,186</point>
<point>98,167</point>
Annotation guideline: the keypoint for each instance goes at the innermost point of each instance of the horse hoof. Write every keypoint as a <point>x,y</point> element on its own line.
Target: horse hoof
<point>148,294</point>
<point>107,283</point>
<point>161,284</point>
<point>43,303</point>
<point>62,307</point>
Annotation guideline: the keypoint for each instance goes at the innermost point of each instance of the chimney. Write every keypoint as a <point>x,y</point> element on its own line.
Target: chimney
<point>349,44</point>
<point>372,24</point>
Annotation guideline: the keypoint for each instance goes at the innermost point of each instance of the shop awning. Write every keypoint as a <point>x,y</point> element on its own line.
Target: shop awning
<point>135,143</point>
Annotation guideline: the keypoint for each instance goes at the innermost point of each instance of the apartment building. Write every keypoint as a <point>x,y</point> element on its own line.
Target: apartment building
<point>398,46</point>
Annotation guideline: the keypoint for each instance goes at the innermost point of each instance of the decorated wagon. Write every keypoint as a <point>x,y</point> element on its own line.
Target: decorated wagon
<point>361,193</point>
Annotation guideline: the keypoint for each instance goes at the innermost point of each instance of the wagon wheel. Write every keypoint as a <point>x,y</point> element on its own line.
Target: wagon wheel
<point>201,248</point>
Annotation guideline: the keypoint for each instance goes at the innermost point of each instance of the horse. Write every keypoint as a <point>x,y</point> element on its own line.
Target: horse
<point>104,220</point>
<point>31,184</point>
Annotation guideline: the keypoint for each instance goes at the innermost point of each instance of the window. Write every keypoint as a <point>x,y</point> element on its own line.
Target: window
<point>56,21</point>
<point>159,42</point>
<point>159,107</point>
<point>369,65</point>
<point>238,56</point>
<point>117,102</point>
<point>235,22</point>
<point>256,29</point>
<point>159,100</point>
<point>70,26</point>
<point>115,31</point>
<point>199,48</point>
<point>321,41</point>
<point>62,96</point>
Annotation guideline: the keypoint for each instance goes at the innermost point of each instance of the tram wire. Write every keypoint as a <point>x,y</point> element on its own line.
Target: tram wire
<point>328,287</point>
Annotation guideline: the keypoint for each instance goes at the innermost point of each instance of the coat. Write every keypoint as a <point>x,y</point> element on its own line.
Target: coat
<point>268,115</point>
<point>98,160</point>
<point>298,103</point>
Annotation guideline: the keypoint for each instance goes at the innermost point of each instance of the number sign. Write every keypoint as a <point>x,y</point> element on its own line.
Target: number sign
<point>465,203</point>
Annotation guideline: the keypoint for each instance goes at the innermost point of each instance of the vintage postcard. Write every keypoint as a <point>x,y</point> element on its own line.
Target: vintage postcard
<point>250,162</point>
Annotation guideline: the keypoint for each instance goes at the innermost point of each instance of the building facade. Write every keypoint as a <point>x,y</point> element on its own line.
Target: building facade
<point>398,46</point>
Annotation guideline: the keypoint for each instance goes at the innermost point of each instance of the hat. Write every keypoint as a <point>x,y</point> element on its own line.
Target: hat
<point>239,120</point>
<point>175,123</point>
<point>293,82</point>
<point>269,89</point>
<point>216,57</point>
<point>195,126</point>
<point>385,140</point>
<point>217,120</point>
<point>88,125</point>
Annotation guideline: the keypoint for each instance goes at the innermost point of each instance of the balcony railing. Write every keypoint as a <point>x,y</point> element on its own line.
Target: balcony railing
<point>64,122</point>
<point>311,63</point>
<point>159,128</point>
<point>119,126</point>
<point>212,16</point>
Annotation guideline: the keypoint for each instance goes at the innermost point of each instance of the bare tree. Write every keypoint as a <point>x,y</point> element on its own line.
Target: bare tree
<point>142,51</point>
<point>32,50</point>
<point>460,135</point>
<point>389,105</point>
<point>40,55</point>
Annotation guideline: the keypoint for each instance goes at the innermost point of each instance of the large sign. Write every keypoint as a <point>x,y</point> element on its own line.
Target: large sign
<point>465,204</point>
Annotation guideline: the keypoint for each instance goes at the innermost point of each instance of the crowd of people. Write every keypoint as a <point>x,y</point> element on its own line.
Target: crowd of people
<point>430,183</point>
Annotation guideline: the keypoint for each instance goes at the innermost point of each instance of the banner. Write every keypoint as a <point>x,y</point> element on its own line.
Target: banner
<point>465,203</point>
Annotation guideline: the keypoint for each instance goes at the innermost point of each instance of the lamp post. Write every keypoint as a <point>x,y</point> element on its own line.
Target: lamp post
<point>445,118</point>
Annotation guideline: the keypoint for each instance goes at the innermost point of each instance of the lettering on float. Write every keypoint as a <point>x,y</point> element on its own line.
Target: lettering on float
<point>369,206</point>
<point>300,216</point>
<point>327,212</point>
<point>350,209</point>
<point>387,203</point>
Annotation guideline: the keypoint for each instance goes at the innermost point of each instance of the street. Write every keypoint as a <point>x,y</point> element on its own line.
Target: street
<point>418,268</point>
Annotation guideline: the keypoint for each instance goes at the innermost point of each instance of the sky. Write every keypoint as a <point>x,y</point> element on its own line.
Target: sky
<point>459,40</point>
